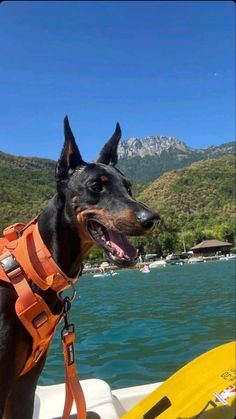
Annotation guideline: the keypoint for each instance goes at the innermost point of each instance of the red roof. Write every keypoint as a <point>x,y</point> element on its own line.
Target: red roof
<point>210,243</point>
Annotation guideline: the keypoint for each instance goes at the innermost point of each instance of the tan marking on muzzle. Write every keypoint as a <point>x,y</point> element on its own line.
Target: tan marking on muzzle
<point>85,239</point>
<point>127,222</point>
<point>85,214</point>
<point>99,214</point>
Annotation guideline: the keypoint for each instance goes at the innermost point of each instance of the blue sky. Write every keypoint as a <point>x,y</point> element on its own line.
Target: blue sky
<point>159,68</point>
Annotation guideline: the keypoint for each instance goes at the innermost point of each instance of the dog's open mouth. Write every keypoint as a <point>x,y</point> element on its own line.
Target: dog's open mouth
<point>115,244</point>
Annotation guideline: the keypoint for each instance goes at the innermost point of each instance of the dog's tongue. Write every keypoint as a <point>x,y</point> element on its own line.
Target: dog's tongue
<point>121,245</point>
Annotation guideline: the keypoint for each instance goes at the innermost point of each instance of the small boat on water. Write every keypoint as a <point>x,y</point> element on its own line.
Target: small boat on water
<point>157,264</point>
<point>198,259</point>
<point>173,259</point>
<point>228,257</point>
<point>203,388</point>
<point>106,274</point>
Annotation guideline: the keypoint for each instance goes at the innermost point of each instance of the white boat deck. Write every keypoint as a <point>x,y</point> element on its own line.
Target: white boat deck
<point>101,401</point>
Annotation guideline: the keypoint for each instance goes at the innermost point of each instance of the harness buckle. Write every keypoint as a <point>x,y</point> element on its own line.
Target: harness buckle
<point>68,327</point>
<point>40,319</point>
<point>9,264</point>
<point>12,232</point>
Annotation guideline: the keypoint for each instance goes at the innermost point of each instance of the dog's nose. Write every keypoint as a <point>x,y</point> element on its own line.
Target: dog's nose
<point>148,218</point>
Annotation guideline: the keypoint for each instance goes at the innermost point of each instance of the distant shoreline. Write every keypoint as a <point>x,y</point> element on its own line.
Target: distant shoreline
<point>139,265</point>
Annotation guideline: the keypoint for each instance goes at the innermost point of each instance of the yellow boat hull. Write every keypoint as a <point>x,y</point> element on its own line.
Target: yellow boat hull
<point>202,389</point>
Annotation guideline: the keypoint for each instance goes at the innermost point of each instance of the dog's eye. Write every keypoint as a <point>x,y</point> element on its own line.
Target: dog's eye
<point>129,190</point>
<point>96,186</point>
<point>128,186</point>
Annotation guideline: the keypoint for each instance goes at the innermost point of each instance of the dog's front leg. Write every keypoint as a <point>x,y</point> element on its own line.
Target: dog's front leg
<point>20,403</point>
<point>11,337</point>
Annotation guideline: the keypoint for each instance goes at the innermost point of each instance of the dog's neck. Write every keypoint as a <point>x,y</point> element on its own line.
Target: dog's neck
<point>61,239</point>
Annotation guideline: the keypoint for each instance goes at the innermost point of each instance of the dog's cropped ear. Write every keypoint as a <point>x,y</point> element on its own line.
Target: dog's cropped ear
<point>108,154</point>
<point>70,158</point>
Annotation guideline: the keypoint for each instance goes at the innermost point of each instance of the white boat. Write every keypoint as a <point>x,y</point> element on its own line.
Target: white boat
<point>173,259</point>
<point>106,274</point>
<point>228,257</point>
<point>199,259</point>
<point>101,401</point>
<point>158,264</point>
<point>197,382</point>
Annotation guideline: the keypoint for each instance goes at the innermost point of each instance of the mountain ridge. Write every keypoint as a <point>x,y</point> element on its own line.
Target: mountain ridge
<point>156,144</point>
<point>149,145</point>
<point>136,146</point>
<point>143,161</point>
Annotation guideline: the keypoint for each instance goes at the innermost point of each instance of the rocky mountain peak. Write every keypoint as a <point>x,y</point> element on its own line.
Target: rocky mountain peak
<point>147,146</point>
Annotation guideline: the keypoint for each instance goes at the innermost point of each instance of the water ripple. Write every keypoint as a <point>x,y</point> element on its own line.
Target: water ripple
<point>134,328</point>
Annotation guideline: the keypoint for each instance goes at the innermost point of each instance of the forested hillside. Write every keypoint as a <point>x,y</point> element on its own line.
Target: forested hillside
<point>195,203</point>
<point>26,185</point>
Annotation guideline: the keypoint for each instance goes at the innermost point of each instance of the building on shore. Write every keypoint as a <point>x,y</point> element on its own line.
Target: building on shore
<point>211,248</point>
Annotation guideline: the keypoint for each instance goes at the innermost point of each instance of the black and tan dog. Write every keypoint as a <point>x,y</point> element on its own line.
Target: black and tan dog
<point>93,204</point>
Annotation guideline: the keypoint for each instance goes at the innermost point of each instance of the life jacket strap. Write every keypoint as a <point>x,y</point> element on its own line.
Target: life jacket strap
<point>31,309</point>
<point>24,257</point>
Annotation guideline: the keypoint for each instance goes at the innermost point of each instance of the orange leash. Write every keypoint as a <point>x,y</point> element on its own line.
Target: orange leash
<point>73,389</point>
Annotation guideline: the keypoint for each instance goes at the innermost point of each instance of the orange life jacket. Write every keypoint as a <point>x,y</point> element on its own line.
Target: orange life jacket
<point>23,258</point>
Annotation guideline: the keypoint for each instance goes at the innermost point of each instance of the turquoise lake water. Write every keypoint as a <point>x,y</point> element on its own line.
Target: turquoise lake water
<point>140,328</point>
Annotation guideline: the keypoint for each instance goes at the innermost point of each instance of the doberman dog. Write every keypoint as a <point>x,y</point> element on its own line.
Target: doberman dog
<point>93,204</point>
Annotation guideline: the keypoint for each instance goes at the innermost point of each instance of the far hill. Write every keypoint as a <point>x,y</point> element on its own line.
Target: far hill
<point>144,160</point>
<point>26,185</point>
<point>8,160</point>
<point>197,202</point>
